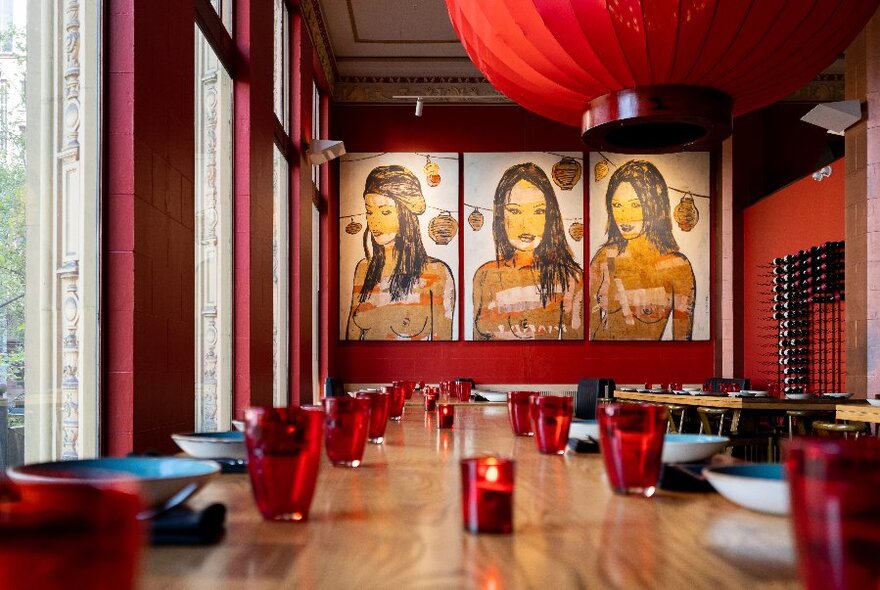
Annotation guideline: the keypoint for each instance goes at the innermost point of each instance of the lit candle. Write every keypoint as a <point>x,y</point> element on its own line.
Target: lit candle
<point>445,415</point>
<point>487,494</point>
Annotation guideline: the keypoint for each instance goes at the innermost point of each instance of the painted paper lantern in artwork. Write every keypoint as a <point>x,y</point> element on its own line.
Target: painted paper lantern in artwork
<point>432,173</point>
<point>566,173</point>
<point>443,228</point>
<point>353,227</point>
<point>653,75</point>
<point>475,219</point>
<point>686,213</point>
<point>576,231</point>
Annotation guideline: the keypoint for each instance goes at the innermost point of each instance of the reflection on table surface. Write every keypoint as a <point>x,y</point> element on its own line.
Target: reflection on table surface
<point>396,522</point>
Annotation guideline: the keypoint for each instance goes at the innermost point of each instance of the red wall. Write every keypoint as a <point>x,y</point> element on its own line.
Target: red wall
<point>803,214</point>
<point>481,129</point>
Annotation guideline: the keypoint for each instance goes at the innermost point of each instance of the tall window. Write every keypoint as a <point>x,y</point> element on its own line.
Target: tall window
<point>281,209</point>
<point>316,245</point>
<point>7,26</point>
<point>213,235</point>
<point>49,291</point>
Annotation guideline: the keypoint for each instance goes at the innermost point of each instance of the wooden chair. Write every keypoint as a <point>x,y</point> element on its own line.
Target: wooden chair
<point>801,421</point>
<point>674,409</point>
<point>840,429</point>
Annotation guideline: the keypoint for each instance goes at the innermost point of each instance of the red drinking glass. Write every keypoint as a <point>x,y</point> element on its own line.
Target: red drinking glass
<point>408,388</point>
<point>284,452</point>
<point>649,386</point>
<point>463,390</point>
<point>445,415</point>
<point>675,386</point>
<point>430,402</point>
<point>398,399</point>
<point>519,410</point>
<point>379,407</point>
<point>345,429</point>
<point>487,494</point>
<point>64,535</point>
<point>834,503</point>
<point>551,419</point>
<point>631,439</point>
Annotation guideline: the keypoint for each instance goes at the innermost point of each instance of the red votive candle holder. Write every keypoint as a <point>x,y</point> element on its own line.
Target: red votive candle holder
<point>345,429</point>
<point>445,415</point>
<point>833,485</point>
<point>551,418</point>
<point>65,535</point>
<point>408,388</point>
<point>487,494</point>
<point>398,399</point>
<point>379,407</point>
<point>284,453</point>
<point>631,439</point>
<point>519,411</point>
<point>463,389</point>
<point>430,402</point>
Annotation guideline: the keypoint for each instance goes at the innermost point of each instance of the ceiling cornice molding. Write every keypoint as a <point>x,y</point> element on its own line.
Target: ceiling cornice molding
<point>823,88</point>
<point>317,29</point>
<point>437,89</point>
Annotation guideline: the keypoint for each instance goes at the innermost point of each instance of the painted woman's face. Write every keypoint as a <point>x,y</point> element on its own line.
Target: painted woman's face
<point>626,207</point>
<point>525,216</point>
<point>382,218</point>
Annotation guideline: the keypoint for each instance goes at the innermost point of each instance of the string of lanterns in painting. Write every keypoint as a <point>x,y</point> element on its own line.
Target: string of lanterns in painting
<point>442,228</point>
<point>686,214</point>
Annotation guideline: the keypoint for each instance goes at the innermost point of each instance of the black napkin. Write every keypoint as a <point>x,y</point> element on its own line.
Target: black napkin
<point>583,445</point>
<point>684,477</point>
<point>183,525</point>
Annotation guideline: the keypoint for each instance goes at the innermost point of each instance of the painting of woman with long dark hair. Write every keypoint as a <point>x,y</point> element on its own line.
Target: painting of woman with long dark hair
<point>399,292</point>
<point>639,278</point>
<point>533,289</point>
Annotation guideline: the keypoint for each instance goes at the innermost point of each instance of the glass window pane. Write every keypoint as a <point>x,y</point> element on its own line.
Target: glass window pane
<point>213,213</point>
<point>280,274</point>
<point>49,218</point>
<point>224,10</point>
<point>282,64</point>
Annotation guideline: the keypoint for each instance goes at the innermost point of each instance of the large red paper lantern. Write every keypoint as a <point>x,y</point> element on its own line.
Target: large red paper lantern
<point>654,75</point>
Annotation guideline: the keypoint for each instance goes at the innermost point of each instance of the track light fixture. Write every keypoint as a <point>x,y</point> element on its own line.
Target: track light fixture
<point>419,106</point>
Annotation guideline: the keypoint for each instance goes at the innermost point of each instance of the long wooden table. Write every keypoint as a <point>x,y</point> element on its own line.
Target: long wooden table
<point>736,403</point>
<point>395,522</point>
<point>861,412</point>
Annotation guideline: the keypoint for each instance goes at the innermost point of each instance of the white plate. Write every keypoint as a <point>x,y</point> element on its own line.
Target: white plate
<point>627,389</point>
<point>583,429</point>
<point>688,448</point>
<point>874,402</point>
<point>159,478</point>
<point>756,392</point>
<point>797,396</point>
<point>757,486</point>
<point>682,391</point>
<point>836,395</point>
<point>212,445</point>
<point>238,425</point>
<point>692,387</point>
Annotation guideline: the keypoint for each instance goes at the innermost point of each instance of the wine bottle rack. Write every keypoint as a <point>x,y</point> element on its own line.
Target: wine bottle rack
<point>805,301</point>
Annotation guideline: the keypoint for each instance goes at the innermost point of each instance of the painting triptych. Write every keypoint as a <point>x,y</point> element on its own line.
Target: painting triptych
<point>524,246</point>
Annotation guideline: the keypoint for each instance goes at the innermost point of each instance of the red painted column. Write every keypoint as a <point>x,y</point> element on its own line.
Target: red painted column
<point>253,132</point>
<point>148,251</point>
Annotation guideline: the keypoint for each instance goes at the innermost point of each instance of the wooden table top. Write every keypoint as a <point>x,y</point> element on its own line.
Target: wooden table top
<point>395,522</point>
<point>861,412</point>
<point>737,403</point>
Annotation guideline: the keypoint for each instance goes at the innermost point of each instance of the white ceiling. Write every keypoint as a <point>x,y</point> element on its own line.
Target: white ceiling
<point>374,50</point>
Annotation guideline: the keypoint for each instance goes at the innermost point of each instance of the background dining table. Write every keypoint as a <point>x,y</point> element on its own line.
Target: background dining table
<point>396,522</point>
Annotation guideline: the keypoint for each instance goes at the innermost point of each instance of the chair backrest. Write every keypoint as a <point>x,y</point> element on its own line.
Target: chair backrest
<point>588,393</point>
<point>714,382</point>
<point>333,387</point>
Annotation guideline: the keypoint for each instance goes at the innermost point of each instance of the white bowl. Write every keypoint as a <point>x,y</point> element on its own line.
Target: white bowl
<point>874,402</point>
<point>797,396</point>
<point>836,395</point>
<point>159,478</point>
<point>687,448</point>
<point>238,425</point>
<point>212,445</point>
<point>756,392</point>
<point>692,387</point>
<point>757,486</point>
<point>583,429</point>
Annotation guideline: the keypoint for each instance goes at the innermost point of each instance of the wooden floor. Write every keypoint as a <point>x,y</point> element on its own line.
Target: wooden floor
<point>395,522</point>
